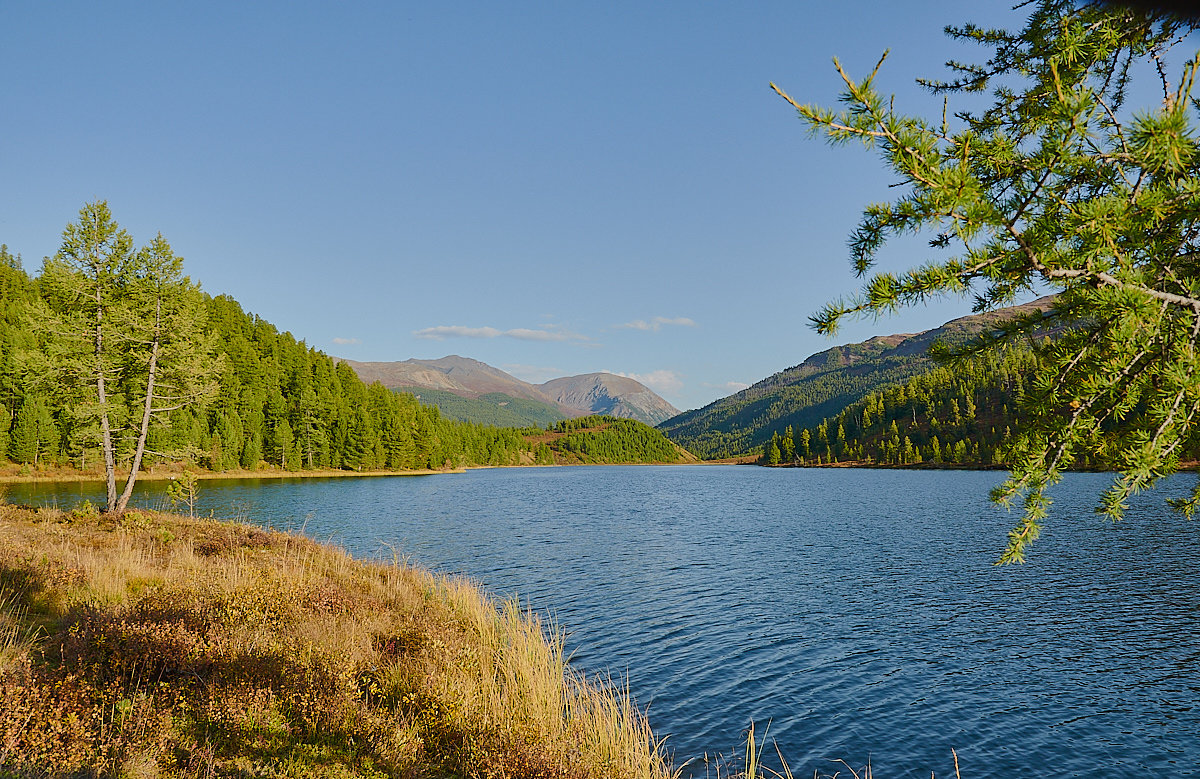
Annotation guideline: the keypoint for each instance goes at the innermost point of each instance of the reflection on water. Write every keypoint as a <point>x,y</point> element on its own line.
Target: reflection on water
<point>858,611</point>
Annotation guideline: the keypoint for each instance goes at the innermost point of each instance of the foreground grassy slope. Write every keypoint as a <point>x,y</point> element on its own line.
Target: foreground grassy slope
<point>160,646</point>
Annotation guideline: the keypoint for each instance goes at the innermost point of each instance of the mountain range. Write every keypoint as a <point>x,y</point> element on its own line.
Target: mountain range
<point>821,386</point>
<point>474,391</point>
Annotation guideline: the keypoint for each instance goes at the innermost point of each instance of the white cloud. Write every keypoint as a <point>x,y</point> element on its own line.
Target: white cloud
<point>661,381</point>
<point>456,331</point>
<point>346,341</point>
<point>546,333</point>
<point>656,324</point>
<point>526,334</point>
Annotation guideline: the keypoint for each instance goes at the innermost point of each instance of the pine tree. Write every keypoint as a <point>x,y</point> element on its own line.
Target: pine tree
<point>34,435</point>
<point>168,354</point>
<point>788,445</point>
<point>283,442</point>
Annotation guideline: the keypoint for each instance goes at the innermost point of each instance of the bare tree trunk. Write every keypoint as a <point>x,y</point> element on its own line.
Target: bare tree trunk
<point>110,465</point>
<point>146,410</point>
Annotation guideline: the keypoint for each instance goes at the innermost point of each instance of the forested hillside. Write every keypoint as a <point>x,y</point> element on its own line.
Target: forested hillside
<point>599,439</point>
<point>959,415</point>
<point>275,402</point>
<point>111,357</point>
<point>819,387</point>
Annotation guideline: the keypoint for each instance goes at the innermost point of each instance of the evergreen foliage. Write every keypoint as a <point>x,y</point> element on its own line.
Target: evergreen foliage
<point>296,408</point>
<point>822,386</point>
<point>800,396</point>
<point>598,439</point>
<point>34,435</point>
<point>956,416</point>
<point>1058,182</point>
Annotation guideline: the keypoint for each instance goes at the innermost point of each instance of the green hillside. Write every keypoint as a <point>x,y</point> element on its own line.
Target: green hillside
<point>819,387</point>
<point>219,388</point>
<point>494,408</point>
<point>965,414</point>
<point>598,439</point>
<point>961,415</point>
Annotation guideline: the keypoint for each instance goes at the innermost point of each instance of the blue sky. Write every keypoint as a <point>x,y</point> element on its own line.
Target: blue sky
<point>552,188</point>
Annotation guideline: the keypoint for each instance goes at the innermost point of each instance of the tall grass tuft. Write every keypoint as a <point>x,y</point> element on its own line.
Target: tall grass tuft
<point>17,636</point>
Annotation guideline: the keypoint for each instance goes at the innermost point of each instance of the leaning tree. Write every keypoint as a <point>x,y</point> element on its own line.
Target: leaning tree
<point>122,340</point>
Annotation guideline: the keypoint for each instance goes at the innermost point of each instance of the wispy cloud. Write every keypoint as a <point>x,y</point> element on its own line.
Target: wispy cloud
<point>545,333</point>
<point>656,324</point>
<point>660,381</point>
<point>728,386</point>
<point>346,341</point>
<point>525,334</point>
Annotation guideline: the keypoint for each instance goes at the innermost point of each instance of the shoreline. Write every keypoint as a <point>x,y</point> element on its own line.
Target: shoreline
<point>12,475</point>
<point>67,477</point>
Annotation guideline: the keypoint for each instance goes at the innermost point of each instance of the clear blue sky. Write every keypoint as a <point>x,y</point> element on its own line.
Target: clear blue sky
<point>552,188</point>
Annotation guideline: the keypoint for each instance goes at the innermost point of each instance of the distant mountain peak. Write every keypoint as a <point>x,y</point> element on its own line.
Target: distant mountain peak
<point>607,393</point>
<point>573,396</point>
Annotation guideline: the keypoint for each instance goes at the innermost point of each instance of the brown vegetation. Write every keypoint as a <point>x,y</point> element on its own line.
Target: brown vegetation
<point>154,645</point>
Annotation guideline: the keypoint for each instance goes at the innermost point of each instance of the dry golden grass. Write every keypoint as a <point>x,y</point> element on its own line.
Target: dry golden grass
<point>155,645</point>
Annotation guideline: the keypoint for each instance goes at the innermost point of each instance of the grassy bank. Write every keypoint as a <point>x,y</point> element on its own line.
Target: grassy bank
<point>155,645</point>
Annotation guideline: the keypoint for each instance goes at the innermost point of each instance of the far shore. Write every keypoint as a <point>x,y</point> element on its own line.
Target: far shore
<point>13,474</point>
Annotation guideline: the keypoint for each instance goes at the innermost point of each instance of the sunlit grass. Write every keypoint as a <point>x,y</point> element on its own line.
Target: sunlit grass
<point>162,646</point>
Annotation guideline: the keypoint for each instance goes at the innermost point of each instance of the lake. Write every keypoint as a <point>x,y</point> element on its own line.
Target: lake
<point>857,612</point>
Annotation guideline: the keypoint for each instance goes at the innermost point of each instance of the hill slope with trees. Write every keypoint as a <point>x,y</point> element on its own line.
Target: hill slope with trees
<point>268,400</point>
<point>962,415</point>
<point>821,386</point>
<point>599,439</point>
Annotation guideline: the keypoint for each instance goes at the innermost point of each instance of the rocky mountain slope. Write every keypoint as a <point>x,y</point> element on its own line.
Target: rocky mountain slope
<point>616,396</point>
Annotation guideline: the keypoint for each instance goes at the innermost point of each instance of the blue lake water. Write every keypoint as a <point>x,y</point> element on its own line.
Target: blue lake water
<point>856,611</point>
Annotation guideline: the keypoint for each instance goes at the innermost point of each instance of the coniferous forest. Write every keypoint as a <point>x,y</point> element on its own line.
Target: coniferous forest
<point>276,401</point>
<point>960,415</point>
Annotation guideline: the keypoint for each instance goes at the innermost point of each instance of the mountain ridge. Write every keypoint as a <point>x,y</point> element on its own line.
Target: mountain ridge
<point>572,396</point>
